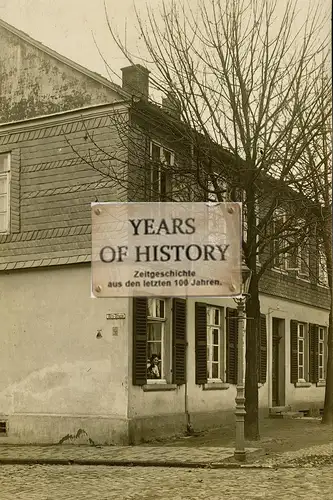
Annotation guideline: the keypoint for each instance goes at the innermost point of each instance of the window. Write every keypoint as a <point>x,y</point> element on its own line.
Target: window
<point>216,346</point>
<point>155,339</point>
<point>159,335</point>
<point>160,172</point>
<point>222,186</point>
<point>301,351</point>
<point>322,268</point>
<point>4,192</point>
<point>304,259</point>
<point>308,355</point>
<point>214,343</point>
<point>321,353</point>
<point>279,260</point>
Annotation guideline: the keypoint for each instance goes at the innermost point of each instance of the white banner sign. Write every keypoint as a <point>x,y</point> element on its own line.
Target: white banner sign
<point>166,249</point>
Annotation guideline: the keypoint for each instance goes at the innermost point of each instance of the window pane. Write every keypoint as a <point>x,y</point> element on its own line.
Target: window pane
<point>300,345</point>
<point>3,203</point>
<point>321,348</point>
<point>215,353</point>
<point>151,311</point>
<point>300,359</point>
<point>156,152</point>
<point>215,370</point>
<point>216,317</point>
<point>321,373</point>
<point>160,308</point>
<point>3,222</point>
<point>154,331</point>
<point>215,336</point>
<point>300,372</point>
<point>3,184</point>
<point>321,334</point>
<point>301,330</point>
<point>167,157</point>
<point>4,163</point>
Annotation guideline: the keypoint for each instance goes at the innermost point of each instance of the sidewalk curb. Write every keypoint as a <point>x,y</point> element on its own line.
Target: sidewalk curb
<point>137,463</point>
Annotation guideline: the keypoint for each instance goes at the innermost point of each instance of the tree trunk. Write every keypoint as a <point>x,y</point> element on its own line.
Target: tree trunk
<point>328,405</point>
<point>251,375</point>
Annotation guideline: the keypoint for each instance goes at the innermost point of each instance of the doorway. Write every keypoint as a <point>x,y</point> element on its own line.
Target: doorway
<point>278,362</point>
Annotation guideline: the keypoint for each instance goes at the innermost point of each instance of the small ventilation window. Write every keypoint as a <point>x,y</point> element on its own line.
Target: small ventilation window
<point>3,427</point>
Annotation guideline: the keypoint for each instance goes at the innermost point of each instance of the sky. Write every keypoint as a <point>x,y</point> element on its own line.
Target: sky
<point>68,26</point>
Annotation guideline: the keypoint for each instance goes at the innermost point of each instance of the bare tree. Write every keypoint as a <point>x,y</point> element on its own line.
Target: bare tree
<point>313,179</point>
<point>243,72</point>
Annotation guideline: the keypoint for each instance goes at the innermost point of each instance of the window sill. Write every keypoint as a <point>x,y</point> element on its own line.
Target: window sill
<point>215,386</point>
<point>321,383</point>
<point>159,387</point>
<point>303,384</point>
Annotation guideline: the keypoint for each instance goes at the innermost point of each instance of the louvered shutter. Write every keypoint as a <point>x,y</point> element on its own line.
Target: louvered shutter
<point>200,343</point>
<point>179,341</point>
<point>293,352</point>
<point>140,311</point>
<point>263,350</point>
<point>313,358</point>
<point>231,347</point>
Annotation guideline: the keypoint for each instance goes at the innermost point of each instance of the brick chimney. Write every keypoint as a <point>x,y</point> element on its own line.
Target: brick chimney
<point>171,105</point>
<point>135,80</point>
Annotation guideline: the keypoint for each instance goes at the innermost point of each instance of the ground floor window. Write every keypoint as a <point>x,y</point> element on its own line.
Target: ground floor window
<point>159,341</point>
<point>308,352</point>
<point>214,343</point>
<point>156,339</point>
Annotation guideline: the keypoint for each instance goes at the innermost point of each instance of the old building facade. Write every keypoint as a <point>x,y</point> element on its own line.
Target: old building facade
<point>70,362</point>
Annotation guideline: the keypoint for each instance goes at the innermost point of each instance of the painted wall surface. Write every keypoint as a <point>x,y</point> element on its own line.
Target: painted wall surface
<point>51,361</point>
<point>33,84</point>
<point>144,404</point>
<point>288,311</point>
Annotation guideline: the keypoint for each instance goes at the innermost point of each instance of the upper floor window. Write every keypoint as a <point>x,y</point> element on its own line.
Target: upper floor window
<point>321,353</point>
<point>160,172</point>
<point>278,232</point>
<point>4,192</point>
<point>322,268</point>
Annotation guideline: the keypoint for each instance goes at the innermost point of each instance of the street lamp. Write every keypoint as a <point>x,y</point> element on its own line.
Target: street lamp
<point>240,413</point>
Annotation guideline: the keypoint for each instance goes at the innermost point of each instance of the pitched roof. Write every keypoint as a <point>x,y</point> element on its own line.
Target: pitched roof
<point>52,53</point>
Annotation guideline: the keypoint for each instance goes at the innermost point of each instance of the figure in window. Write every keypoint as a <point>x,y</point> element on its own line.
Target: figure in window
<point>153,370</point>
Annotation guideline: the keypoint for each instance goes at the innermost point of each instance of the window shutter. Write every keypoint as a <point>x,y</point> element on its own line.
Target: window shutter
<point>140,311</point>
<point>231,347</point>
<point>293,352</point>
<point>200,343</point>
<point>263,350</point>
<point>179,341</point>
<point>313,358</point>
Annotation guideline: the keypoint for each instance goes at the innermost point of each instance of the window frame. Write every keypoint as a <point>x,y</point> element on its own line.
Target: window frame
<point>160,166</point>
<point>163,321</point>
<point>211,325</point>
<point>322,269</point>
<point>321,355</point>
<point>283,267</point>
<point>304,352</point>
<point>6,174</point>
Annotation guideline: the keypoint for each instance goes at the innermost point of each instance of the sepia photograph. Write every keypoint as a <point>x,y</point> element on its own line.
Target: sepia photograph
<point>166,290</point>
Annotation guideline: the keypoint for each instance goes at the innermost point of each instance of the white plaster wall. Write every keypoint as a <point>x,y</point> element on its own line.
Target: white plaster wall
<point>50,359</point>
<point>288,310</point>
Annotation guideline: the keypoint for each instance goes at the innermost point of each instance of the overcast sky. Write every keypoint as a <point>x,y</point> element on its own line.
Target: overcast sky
<point>67,25</point>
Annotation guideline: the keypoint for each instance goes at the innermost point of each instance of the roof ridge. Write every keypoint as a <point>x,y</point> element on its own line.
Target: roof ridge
<point>65,60</point>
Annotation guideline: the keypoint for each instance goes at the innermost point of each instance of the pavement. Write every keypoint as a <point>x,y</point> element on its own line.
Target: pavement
<point>141,483</point>
<point>293,459</point>
<point>281,442</point>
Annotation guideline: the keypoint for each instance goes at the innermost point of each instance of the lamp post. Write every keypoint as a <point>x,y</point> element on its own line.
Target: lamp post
<point>240,413</point>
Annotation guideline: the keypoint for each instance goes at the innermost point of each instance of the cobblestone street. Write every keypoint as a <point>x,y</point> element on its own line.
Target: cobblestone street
<point>123,483</point>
